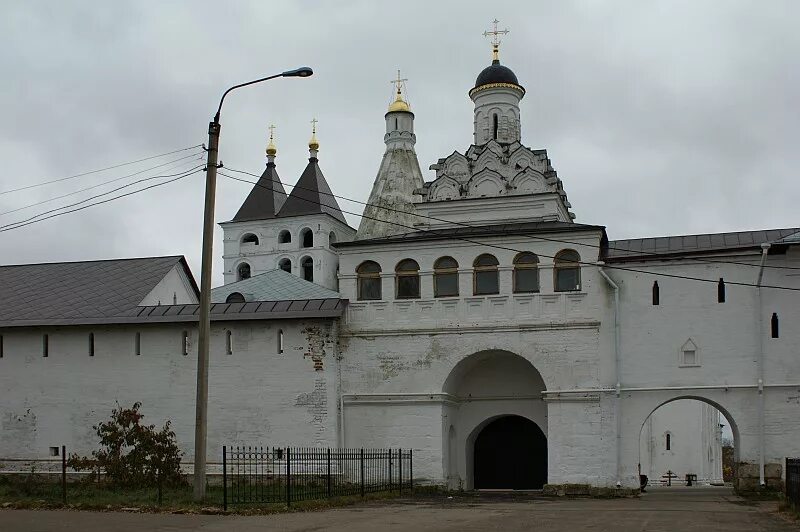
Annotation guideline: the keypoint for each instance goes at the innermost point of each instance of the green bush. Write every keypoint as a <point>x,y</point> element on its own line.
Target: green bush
<point>133,454</point>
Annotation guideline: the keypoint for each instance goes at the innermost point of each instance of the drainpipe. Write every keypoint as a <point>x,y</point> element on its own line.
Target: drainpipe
<point>764,250</point>
<point>617,369</point>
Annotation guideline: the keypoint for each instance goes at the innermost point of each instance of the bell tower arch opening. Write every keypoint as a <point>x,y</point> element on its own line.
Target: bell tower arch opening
<point>496,426</point>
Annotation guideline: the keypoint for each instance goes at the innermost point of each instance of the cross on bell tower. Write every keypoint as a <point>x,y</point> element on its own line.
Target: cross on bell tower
<point>495,33</point>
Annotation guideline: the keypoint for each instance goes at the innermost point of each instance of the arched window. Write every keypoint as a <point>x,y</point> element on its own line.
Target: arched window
<point>369,280</point>
<point>331,238</point>
<point>250,238</point>
<point>494,127</point>
<point>284,237</point>
<point>656,293</point>
<point>668,441</point>
<point>243,272</point>
<point>307,267</point>
<point>306,238</point>
<point>526,272</point>
<point>235,297</point>
<point>407,275</point>
<point>485,277</point>
<point>445,277</point>
<point>285,265</point>
<point>567,271</point>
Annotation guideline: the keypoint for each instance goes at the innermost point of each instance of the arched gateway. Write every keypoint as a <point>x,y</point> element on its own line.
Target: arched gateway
<point>495,427</point>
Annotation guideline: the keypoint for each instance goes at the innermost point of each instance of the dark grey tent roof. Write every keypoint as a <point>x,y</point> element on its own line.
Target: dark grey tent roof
<point>79,290</point>
<point>266,198</point>
<point>653,248</point>
<point>311,195</point>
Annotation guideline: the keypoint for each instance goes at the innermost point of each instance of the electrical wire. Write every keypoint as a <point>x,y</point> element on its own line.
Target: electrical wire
<point>97,185</point>
<point>97,196</point>
<point>101,202</point>
<point>98,171</point>
<point>538,237</point>
<point>455,237</point>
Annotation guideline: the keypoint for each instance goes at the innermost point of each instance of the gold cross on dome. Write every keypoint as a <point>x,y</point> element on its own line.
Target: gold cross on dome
<point>495,33</point>
<point>398,83</point>
<point>271,131</point>
<point>314,125</point>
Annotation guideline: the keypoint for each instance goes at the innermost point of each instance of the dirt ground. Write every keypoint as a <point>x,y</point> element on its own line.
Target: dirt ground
<point>661,509</point>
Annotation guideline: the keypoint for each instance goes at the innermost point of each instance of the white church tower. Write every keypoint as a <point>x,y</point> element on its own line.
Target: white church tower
<point>391,202</point>
<point>292,233</point>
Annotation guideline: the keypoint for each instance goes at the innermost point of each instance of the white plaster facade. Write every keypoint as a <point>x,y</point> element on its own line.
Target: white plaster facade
<point>268,253</point>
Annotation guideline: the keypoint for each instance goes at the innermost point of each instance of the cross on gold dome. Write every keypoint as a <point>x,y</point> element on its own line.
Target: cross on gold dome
<point>495,33</point>
<point>313,143</point>
<point>271,149</point>
<point>399,104</point>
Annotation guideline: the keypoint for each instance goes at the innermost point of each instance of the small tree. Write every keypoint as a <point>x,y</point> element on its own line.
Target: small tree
<point>133,454</point>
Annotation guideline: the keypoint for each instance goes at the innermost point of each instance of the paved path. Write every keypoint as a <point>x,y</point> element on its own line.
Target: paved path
<point>665,509</point>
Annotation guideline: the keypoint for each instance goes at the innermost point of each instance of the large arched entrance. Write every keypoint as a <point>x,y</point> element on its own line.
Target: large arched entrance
<point>494,429</point>
<point>510,453</point>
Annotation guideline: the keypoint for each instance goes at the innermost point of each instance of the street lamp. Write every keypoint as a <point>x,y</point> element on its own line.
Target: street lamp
<point>201,406</point>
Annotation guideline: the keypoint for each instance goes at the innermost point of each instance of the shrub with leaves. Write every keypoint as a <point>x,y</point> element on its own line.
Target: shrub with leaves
<point>133,454</point>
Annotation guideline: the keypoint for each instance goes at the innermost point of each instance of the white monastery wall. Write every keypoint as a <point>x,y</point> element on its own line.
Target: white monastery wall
<point>256,395</point>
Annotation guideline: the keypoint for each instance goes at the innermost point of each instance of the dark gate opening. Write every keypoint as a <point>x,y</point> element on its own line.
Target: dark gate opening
<point>511,453</point>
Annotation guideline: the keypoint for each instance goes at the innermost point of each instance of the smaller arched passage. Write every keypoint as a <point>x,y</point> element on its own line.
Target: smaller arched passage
<point>685,435</point>
<point>509,452</point>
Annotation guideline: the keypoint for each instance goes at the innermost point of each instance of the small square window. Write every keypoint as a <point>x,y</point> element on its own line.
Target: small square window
<point>690,357</point>
<point>54,451</point>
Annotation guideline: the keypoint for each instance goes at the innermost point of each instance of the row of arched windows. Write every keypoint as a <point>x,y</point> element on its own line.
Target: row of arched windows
<point>243,271</point>
<point>485,276</point>
<point>285,237</point>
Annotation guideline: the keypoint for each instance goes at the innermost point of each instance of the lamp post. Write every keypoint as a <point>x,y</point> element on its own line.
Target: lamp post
<point>201,406</point>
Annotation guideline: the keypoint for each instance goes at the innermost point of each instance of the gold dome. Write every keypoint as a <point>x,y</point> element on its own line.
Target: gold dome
<point>399,104</point>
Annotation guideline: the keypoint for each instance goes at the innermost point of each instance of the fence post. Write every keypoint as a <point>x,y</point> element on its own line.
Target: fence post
<point>288,479</point>
<point>362,471</point>
<point>225,478</point>
<point>390,469</point>
<point>400,469</point>
<point>64,474</point>
<point>329,472</point>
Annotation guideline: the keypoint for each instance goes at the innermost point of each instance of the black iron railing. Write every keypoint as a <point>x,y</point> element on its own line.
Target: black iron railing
<point>257,475</point>
<point>793,482</point>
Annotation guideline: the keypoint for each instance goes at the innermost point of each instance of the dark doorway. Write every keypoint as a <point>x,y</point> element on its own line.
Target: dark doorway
<point>511,453</point>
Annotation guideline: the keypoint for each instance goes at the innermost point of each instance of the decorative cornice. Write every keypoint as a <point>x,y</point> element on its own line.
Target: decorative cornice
<point>496,86</point>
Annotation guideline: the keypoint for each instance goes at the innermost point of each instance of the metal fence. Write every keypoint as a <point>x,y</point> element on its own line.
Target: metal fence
<point>793,482</point>
<point>253,475</point>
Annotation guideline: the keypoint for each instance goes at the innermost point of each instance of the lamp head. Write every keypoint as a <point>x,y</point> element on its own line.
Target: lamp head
<point>302,72</point>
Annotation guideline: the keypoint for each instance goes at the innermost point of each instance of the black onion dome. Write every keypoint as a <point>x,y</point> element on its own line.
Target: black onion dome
<point>496,73</point>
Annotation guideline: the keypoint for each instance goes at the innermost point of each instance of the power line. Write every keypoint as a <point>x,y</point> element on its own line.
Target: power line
<point>98,171</point>
<point>22,222</point>
<point>454,237</point>
<point>463,224</point>
<point>97,185</point>
<point>100,202</point>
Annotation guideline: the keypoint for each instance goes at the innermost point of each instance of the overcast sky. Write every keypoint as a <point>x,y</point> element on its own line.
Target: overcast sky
<point>660,117</point>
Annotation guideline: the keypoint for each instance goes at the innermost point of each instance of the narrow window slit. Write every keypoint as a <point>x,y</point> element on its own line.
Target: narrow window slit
<point>91,344</point>
<point>185,343</point>
<point>721,291</point>
<point>774,325</point>
<point>45,346</point>
<point>656,294</point>
<point>280,341</point>
<point>228,344</point>
<point>137,344</point>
